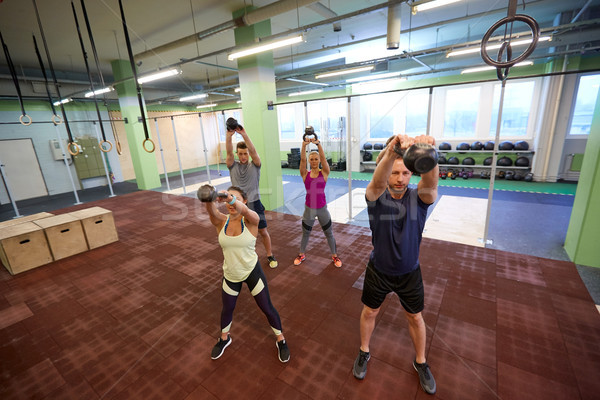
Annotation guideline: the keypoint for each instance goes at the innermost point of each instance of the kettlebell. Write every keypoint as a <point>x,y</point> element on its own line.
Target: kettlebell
<point>232,124</point>
<point>309,131</point>
<point>208,194</point>
<point>419,158</point>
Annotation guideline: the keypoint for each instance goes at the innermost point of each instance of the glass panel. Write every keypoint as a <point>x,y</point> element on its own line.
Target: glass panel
<point>381,115</point>
<point>314,110</point>
<point>587,93</point>
<point>287,121</point>
<point>515,111</point>
<point>416,105</point>
<point>460,119</point>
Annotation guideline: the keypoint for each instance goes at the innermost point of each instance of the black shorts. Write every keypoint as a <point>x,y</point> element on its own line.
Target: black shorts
<point>408,287</point>
<point>258,207</point>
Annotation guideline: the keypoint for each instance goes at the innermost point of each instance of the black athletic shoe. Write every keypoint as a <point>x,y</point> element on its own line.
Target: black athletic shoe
<point>220,347</point>
<point>425,377</point>
<point>283,351</point>
<point>360,364</point>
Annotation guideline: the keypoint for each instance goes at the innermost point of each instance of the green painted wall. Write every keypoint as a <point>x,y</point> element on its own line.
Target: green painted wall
<point>144,163</point>
<point>583,234</point>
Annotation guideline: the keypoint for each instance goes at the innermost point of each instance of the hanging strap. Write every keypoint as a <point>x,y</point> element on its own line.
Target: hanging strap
<point>24,118</point>
<point>56,119</point>
<point>73,148</point>
<point>137,85</point>
<point>99,72</point>
<point>87,68</point>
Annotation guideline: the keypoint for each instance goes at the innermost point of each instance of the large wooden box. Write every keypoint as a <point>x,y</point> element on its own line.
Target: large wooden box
<point>23,247</point>
<point>65,235</point>
<point>98,226</point>
<point>27,218</point>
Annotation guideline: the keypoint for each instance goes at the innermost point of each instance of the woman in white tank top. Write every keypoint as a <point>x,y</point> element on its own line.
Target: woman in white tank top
<point>237,233</point>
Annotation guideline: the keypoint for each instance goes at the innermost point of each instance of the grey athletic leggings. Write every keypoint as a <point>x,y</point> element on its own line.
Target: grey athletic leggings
<point>308,220</point>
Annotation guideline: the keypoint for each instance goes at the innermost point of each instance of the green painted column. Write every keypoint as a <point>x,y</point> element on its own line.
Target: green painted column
<point>144,163</point>
<point>583,234</point>
<point>257,83</point>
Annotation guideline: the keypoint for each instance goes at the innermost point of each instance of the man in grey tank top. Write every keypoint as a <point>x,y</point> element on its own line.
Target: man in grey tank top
<point>245,174</point>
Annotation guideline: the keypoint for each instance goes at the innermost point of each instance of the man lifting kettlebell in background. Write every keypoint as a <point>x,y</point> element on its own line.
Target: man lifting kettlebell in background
<point>246,175</point>
<point>397,215</point>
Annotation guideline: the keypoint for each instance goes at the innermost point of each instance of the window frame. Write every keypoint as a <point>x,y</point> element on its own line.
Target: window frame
<point>574,103</point>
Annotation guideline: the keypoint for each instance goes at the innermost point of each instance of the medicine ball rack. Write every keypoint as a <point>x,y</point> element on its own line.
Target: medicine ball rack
<point>466,153</point>
<point>368,165</point>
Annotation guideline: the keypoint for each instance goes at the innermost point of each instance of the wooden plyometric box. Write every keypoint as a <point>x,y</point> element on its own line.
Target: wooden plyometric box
<point>98,225</point>
<point>27,218</point>
<point>65,235</point>
<point>23,247</point>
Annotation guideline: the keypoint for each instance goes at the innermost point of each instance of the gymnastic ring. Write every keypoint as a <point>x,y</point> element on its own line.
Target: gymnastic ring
<point>535,32</point>
<point>56,117</point>
<point>76,146</point>
<point>151,142</point>
<point>25,123</point>
<point>102,147</point>
<point>502,73</point>
<point>119,149</point>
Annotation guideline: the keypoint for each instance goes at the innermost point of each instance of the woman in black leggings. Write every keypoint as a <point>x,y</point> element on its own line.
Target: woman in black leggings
<point>237,236</point>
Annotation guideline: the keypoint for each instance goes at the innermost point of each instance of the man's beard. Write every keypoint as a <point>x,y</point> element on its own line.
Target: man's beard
<point>396,191</point>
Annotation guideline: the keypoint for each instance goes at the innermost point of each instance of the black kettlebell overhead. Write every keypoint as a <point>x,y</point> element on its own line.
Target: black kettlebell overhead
<point>419,158</point>
<point>208,194</point>
<point>232,124</point>
<point>309,131</point>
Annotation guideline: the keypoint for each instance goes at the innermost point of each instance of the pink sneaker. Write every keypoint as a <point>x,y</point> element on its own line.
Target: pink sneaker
<point>336,261</point>
<point>298,260</point>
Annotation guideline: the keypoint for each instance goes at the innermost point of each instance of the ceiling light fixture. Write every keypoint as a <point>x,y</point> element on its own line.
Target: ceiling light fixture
<point>344,72</point>
<point>207,105</point>
<point>489,67</point>
<point>159,75</point>
<point>305,92</point>
<point>99,91</point>
<point>239,102</point>
<point>265,47</point>
<point>374,77</point>
<point>477,49</point>
<point>63,101</point>
<point>237,89</point>
<point>429,4</point>
<point>193,97</point>
<point>308,82</point>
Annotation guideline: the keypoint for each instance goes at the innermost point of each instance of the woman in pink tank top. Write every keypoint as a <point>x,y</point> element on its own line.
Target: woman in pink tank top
<point>315,205</point>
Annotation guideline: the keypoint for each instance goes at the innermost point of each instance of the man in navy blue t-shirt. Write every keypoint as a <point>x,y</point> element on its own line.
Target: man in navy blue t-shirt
<point>397,216</point>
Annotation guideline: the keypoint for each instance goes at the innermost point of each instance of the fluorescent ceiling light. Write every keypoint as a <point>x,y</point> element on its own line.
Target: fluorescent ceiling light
<point>99,91</point>
<point>237,89</point>
<point>428,5</point>
<point>373,77</point>
<point>63,101</point>
<point>239,102</point>
<point>158,75</point>
<point>305,92</point>
<point>207,105</point>
<point>477,49</point>
<point>265,47</point>
<point>193,97</point>
<point>345,72</point>
<point>309,82</point>
<point>489,67</point>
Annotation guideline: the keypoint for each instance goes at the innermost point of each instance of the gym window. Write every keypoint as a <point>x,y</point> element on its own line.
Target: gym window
<point>391,113</point>
<point>518,98</point>
<point>585,102</point>
<point>460,116</point>
<point>290,121</point>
